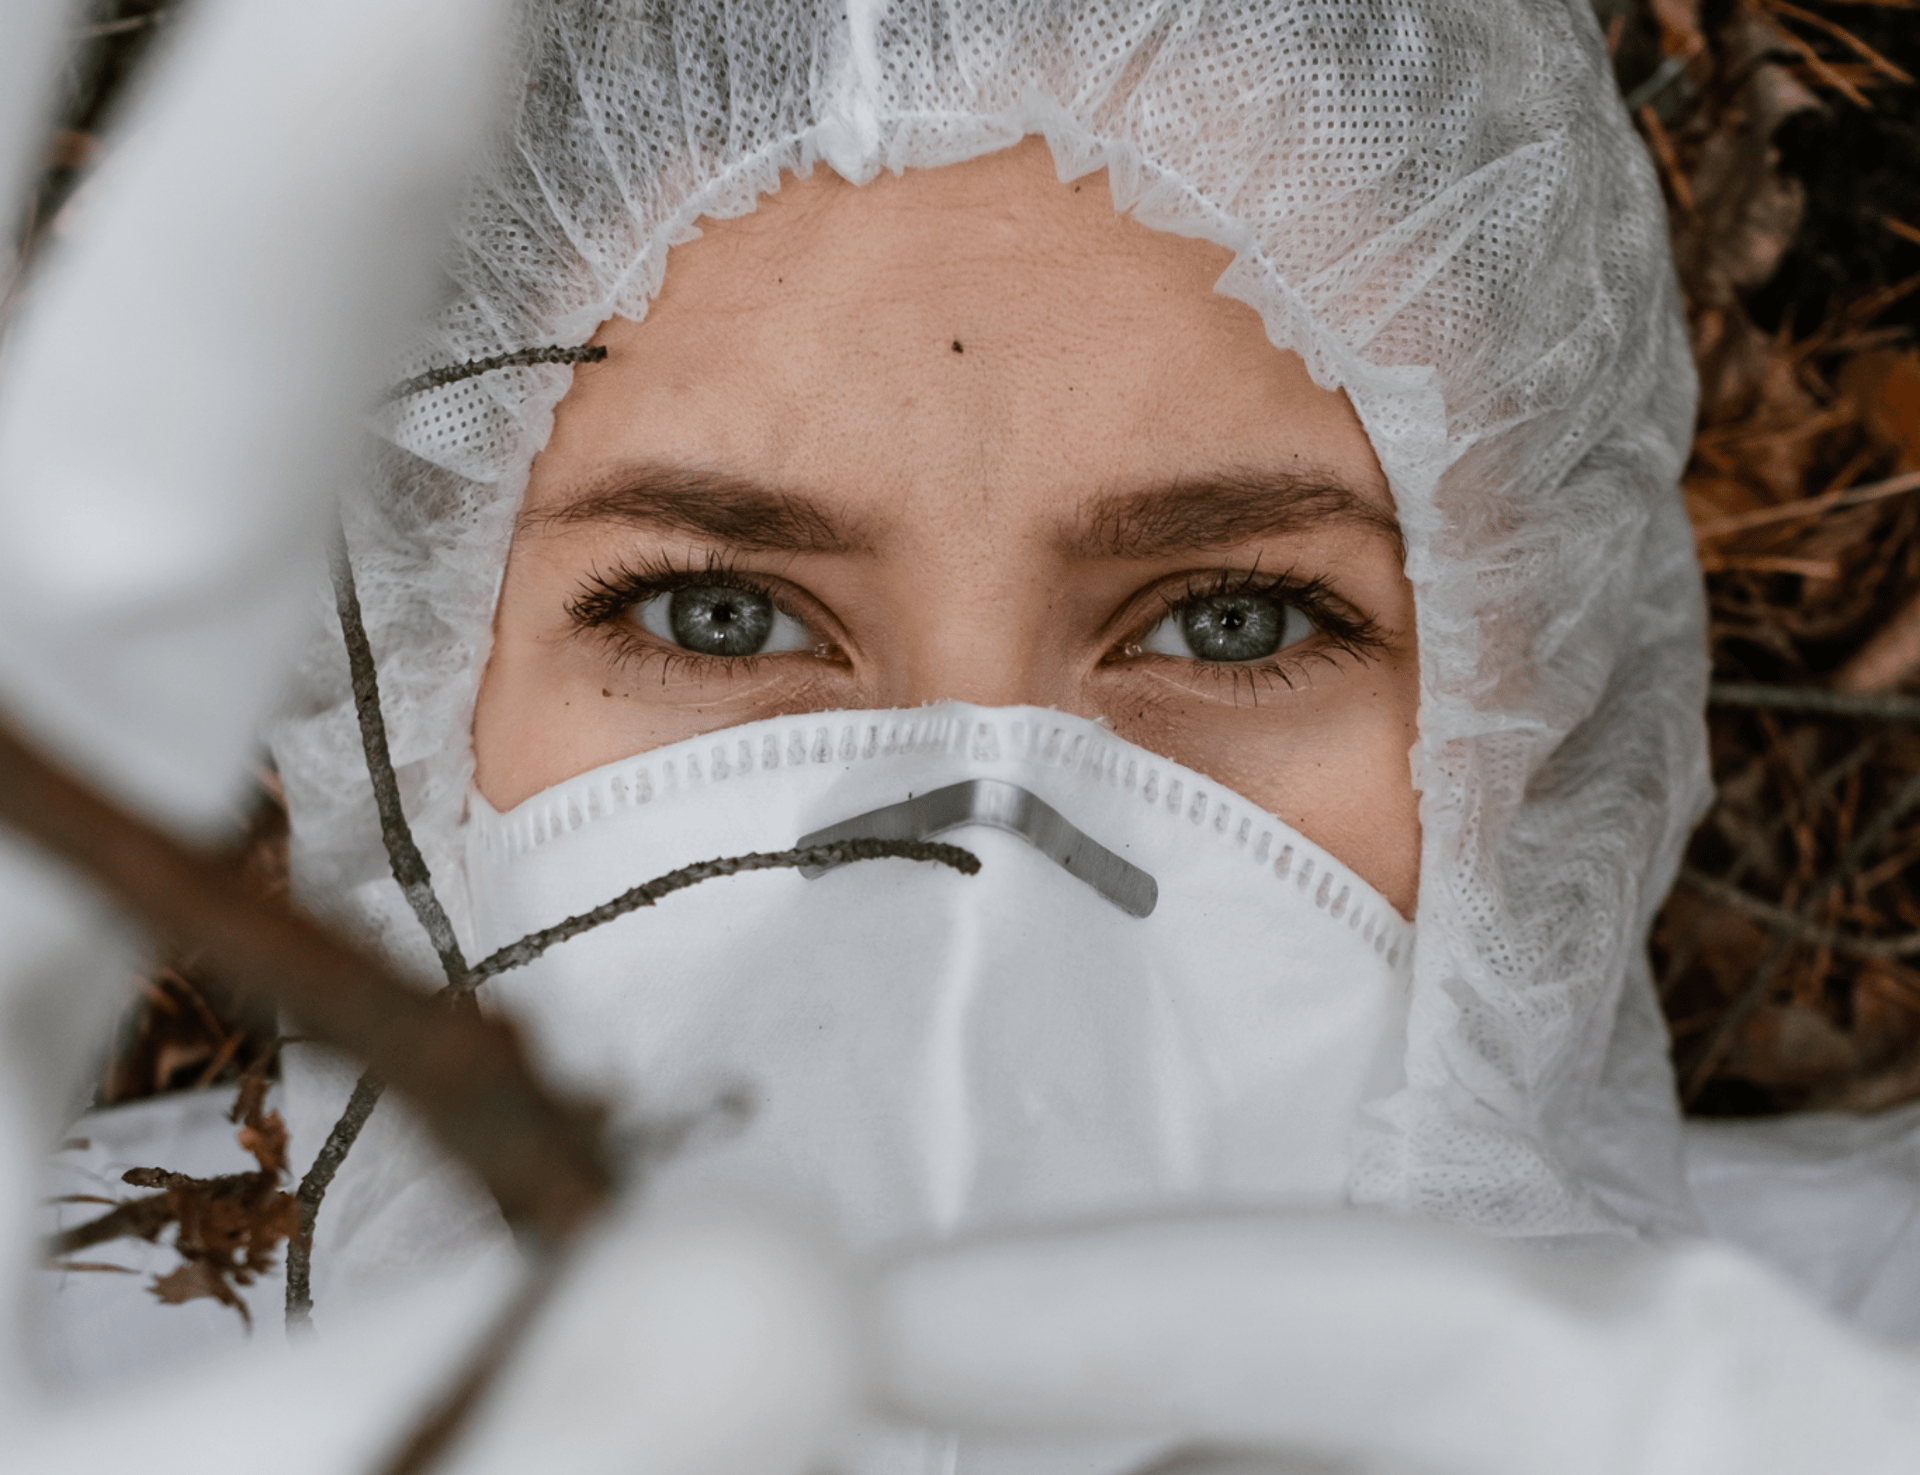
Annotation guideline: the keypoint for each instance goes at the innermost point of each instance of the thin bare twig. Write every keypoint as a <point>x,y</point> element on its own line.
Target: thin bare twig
<point>837,852</point>
<point>1708,529</point>
<point>1706,1056</point>
<point>1793,924</point>
<point>409,866</point>
<point>313,1189</point>
<point>539,1155</point>
<point>1817,700</point>
<point>415,879</point>
<point>523,358</point>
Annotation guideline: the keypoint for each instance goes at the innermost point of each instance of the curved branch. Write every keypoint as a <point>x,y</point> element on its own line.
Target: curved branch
<point>538,1153</point>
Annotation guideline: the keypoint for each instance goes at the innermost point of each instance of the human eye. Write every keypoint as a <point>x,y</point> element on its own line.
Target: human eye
<point>712,614</point>
<point>1250,628</point>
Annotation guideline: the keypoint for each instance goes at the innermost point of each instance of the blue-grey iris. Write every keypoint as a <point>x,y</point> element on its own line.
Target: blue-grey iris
<point>713,620</point>
<point>1234,627</point>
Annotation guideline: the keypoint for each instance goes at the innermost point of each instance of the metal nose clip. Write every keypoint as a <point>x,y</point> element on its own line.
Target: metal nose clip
<point>1000,806</point>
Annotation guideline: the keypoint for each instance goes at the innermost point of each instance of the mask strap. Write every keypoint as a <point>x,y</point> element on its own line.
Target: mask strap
<point>998,805</point>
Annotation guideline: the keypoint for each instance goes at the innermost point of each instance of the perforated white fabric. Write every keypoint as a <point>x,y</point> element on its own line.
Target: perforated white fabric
<point>1440,206</point>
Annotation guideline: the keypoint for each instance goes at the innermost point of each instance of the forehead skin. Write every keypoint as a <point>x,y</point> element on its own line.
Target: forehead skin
<point>983,399</point>
<point>1087,343</point>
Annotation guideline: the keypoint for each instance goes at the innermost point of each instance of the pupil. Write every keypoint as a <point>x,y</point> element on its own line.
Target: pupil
<point>714,621</point>
<point>1233,627</point>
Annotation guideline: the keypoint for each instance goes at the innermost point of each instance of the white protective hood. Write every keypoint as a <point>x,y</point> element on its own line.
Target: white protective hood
<point>1440,206</point>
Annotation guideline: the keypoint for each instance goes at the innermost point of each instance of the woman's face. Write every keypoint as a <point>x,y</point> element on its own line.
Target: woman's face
<point>964,434</point>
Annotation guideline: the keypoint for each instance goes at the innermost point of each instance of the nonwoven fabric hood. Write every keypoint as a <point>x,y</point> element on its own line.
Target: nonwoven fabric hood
<point>1440,206</point>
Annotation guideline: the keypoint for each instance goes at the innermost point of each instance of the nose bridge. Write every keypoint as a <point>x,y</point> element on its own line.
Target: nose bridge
<point>974,629</point>
<point>974,665</point>
<point>1003,656</point>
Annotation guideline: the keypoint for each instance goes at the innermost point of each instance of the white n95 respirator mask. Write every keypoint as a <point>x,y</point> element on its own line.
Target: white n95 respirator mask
<point>1151,995</point>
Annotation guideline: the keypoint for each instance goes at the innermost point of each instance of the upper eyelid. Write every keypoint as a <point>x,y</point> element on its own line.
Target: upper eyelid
<point>638,585</point>
<point>1310,593</point>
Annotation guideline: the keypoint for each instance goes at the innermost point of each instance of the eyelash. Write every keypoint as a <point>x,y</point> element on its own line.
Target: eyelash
<point>605,600</point>
<point>1348,632</point>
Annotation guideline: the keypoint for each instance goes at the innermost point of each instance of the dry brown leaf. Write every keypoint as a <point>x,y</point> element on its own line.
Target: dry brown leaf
<point>266,1139</point>
<point>1882,388</point>
<point>227,1228</point>
<point>1679,23</point>
<point>196,1280</point>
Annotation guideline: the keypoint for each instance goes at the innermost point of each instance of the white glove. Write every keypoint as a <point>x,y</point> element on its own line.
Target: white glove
<point>1394,1341</point>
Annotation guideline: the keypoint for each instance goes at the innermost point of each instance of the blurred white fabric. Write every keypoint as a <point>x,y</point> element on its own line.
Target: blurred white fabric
<point>175,412</point>
<point>734,1327</point>
<point>1003,1332</point>
<point>1396,1345</point>
<point>172,418</point>
<point>1831,1201</point>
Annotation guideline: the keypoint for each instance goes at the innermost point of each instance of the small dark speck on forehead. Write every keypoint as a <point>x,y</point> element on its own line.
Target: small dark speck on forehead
<point>604,692</point>
<point>956,346</point>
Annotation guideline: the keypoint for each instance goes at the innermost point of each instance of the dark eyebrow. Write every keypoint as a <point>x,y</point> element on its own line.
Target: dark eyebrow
<point>1222,510</point>
<point>735,510</point>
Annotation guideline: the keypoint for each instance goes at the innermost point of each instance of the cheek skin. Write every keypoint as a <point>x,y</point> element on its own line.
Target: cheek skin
<point>1342,779</point>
